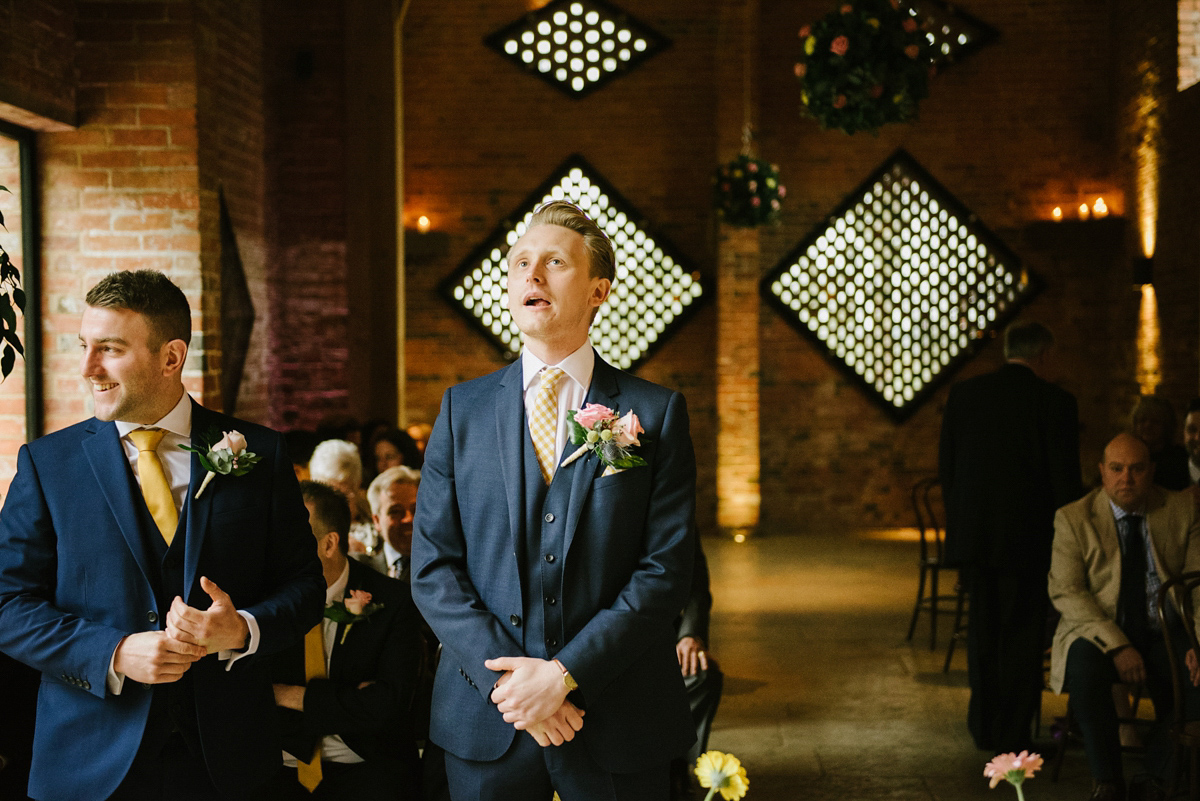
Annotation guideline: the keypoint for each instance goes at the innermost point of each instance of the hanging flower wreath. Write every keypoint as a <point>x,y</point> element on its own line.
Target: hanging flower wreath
<point>863,66</point>
<point>747,192</point>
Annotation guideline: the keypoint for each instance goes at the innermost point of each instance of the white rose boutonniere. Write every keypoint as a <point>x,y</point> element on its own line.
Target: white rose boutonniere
<point>228,456</point>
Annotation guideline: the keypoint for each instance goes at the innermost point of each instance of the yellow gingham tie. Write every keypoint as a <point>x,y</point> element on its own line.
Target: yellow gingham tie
<point>155,488</point>
<point>309,773</point>
<point>543,421</point>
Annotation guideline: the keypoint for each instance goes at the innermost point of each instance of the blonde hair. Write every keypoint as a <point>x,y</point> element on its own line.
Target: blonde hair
<point>393,475</point>
<point>570,216</point>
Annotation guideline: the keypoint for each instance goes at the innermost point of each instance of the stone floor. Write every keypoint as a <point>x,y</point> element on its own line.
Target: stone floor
<point>823,696</point>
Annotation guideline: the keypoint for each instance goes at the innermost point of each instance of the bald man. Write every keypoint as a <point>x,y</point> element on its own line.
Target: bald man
<point>1113,549</point>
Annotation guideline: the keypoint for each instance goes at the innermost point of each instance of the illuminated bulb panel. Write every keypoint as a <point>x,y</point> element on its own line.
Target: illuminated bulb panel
<point>654,291</point>
<point>899,286</point>
<point>953,33</point>
<point>577,45</point>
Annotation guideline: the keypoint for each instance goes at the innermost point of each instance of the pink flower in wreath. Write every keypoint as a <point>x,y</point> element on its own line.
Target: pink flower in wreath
<point>839,46</point>
<point>593,413</point>
<point>800,69</point>
<point>752,186</point>
<point>847,8</point>
<point>805,31</point>
<point>782,190</point>
<point>910,25</point>
<point>839,101</point>
<point>357,601</point>
<point>912,51</point>
<point>752,167</point>
<point>755,202</point>
<point>627,430</point>
<point>876,90</point>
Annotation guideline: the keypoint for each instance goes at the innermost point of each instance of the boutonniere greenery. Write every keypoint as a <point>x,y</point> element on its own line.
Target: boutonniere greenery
<point>355,607</point>
<point>597,429</point>
<point>228,456</point>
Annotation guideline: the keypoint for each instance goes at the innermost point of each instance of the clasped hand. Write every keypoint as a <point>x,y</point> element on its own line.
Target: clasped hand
<point>218,628</point>
<point>532,696</point>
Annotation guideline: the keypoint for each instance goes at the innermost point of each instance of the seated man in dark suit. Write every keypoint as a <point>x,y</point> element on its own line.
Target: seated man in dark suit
<point>702,677</point>
<point>1113,549</point>
<point>344,696</point>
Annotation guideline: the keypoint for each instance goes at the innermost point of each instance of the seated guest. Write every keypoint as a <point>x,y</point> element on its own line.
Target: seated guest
<point>1191,440</point>
<point>344,694</point>
<point>336,462</point>
<point>392,448</point>
<point>1112,550</point>
<point>701,676</point>
<point>393,499</point>
<point>1154,424</point>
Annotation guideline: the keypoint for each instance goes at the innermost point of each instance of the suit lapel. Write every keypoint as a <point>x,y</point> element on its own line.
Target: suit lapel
<point>604,391</point>
<point>196,510</point>
<point>111,468</point>
<point>510,430</point>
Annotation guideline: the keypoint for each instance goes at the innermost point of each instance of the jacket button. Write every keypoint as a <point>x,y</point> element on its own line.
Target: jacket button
<point>152,616</point>
<point>551,642</point>
<point>549,518</point>
<point>550,558</point>
<point>551,600</point>
<point>515,620</point>
<point>87,685</point>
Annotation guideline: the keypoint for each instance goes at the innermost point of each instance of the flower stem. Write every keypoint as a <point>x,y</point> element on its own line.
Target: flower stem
<point>204,484</point>
<point>711,792</point>
<point>1020,795</point>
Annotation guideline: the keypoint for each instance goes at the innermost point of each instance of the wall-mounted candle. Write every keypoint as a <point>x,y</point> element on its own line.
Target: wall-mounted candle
<point>1100,208</point>
<point>1084,211</point>
<point>1057,214</point>
<point>423,224</point>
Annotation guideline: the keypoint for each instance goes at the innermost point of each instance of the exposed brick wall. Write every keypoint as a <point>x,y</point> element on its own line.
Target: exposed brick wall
<point>304,66</point>
<point>37,63</point>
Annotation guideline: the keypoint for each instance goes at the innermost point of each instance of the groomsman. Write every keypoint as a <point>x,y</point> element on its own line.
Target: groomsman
<point>344,696</point>
<point>146,603</point>
<point>553,586</point>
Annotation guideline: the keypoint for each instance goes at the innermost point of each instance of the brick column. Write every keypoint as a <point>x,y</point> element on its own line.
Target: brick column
<point>738,495</point>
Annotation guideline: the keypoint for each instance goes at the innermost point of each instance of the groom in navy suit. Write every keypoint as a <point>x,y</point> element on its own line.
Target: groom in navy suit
<point>553,584</point>
<point>146,603</point>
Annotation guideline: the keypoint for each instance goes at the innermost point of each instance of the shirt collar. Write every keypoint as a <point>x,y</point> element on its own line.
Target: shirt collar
<point>178,421</point>
<point>337,589</point>
<point>390,554</point>
<point>1194,471</point>
<point>1120,514</point>
<point>579,366</point>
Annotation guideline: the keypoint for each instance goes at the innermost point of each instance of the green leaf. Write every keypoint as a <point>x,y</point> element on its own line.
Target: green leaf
<point>7,361</point>
<point>19,298</point>
<point>15,341</point>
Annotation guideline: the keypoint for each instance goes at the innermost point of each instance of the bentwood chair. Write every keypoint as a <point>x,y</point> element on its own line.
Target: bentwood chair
<point>1185,734</point>
<point>926,495</point>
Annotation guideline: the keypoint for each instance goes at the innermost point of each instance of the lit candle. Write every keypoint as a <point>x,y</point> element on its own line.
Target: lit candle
<point>423,224</point>
<point>1057,214</point>
<point>1084,211</point>
<point>1100,208</point>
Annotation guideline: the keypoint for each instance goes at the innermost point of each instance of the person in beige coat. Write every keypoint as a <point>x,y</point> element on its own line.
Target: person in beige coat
<point>1112,551</point>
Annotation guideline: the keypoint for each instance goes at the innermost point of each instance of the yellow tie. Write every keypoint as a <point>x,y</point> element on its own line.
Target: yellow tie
<point>543,421</point>
<point>155,488</point>
<point>309,773</point>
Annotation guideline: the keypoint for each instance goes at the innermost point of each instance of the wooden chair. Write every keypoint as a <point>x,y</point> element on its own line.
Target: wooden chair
<point>1185,734</point>
<point>924,502</point>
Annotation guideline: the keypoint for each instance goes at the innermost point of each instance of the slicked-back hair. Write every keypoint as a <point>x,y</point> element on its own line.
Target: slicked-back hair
<point>599,248</point>
<point>150,294</point>
<point>1026,340</point>
<point>400,474</point>
<point>330,512</point>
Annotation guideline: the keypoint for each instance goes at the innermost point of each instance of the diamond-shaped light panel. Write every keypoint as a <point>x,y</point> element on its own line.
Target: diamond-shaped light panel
<point>653,293</point>
<point>953,33</point>
<point>577,45</point>
<point>899,285</point>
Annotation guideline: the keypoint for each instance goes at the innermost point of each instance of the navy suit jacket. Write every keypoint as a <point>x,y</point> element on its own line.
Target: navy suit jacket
<point>627,571</point>
<point>75,578</point>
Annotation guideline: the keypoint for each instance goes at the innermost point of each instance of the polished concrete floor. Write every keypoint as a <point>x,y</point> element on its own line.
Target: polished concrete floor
<point>823,696</point>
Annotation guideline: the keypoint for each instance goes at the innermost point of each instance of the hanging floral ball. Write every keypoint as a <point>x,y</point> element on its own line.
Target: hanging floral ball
<point>863,66</point>
<point>747,192</point>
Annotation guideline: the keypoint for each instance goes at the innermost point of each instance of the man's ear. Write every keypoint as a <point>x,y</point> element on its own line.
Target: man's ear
<point>175,354</point>
<point>603,287</point>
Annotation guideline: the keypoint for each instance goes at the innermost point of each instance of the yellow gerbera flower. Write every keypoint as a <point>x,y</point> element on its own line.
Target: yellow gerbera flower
<point>724,773</point>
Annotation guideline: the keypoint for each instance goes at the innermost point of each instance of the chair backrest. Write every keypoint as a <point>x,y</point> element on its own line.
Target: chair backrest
<point>1180,592</point>
<point>927,521</point>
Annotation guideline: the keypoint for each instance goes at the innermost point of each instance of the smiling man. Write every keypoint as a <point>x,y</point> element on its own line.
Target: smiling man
<point>147,604</point>
<point>553,584</point>
<point>1113,549</point>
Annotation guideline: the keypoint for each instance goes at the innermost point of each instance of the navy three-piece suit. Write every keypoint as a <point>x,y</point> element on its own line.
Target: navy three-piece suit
<point>592,570</point>
<point>82,565</point>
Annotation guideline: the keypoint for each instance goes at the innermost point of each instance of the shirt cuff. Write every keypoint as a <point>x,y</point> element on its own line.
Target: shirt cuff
<point>230,656</point>
<point>115,680</point>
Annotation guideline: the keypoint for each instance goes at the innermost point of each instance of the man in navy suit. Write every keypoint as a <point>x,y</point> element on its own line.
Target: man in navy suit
<point>553,584</point>
<point>148,604</point>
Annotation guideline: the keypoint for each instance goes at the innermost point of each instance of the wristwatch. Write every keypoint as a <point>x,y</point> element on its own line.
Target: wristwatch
<point>568,679</point>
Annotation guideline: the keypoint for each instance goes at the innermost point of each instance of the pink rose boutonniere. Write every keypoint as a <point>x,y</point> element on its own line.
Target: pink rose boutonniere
<point>597,429</point>
<point>354,607</point>
<point>228,456</point>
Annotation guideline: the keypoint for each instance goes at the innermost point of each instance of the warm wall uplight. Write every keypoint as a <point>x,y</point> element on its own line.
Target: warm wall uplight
<point>739,537</point>
<point>423,224</point>
<point>1148,121</point>
<point>1057,214</point>
<point>1100,208</point>
<point>1149,372</point>
<point>1084,211</point>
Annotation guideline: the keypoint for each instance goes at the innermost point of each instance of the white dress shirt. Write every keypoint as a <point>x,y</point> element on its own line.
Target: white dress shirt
<point>333,747</point>
<point>1194,472</point>
<point>572,388</point>
<point>177,465</point>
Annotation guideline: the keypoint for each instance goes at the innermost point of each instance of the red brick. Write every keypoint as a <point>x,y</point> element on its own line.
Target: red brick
<point>109,158</point>
<point>138,137</point>
<point>167,116</point>
<point>97,241</point>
